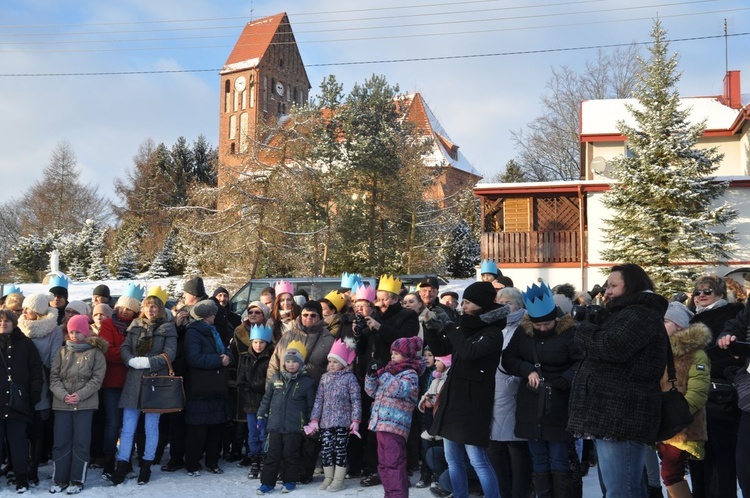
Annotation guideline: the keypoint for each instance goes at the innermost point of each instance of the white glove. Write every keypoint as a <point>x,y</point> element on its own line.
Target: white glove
<point>139,363</point>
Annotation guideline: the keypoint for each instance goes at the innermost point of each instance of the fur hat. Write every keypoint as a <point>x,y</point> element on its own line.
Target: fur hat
<point>262,307</point>
<point>445,360</point>
<point>129,303</point>
<point>679,314</point>
<point>38,302</point>
<point>101,290</point>
<point>408,347</point>
<point>343,351</point>
<point>80,307</point>
<point>79,323</point>
<point>313,306</point>
<point>195,287</point>
<point>103,309</point>
<point>204,309</point>
<point>296,351</point>
<point>482,294</point>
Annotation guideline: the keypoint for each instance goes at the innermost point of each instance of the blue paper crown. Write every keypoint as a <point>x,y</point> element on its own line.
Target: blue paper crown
<point>59,280</point>
<point>488,266</point>
<point>538,300</point>
<point>350,280</point>
<point>12,289</point>
<point>136,291</point>
<point>260,332</point>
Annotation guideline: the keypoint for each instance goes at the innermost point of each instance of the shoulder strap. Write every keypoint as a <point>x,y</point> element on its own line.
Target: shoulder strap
<point>537,364</point>
<point>671,373</point>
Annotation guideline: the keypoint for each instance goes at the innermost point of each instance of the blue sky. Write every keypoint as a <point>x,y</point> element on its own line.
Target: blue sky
<point>478,99</point>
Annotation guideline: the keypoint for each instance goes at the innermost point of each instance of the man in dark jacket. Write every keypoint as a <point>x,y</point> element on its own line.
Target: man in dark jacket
<point>221,297</point>
<point>428,290</point>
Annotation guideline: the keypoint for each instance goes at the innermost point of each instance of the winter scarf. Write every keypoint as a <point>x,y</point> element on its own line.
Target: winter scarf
<point>217,340</point>
<point>77,346</point>
<point>718,304</point>
<point>394,368</point>
<point>146,336</point>
<point>41,327</point>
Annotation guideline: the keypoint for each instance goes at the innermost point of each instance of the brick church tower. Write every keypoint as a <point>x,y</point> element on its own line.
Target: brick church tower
<point>260,81</point>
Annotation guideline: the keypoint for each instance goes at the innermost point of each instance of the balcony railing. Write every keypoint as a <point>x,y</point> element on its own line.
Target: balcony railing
<point>532,247</point>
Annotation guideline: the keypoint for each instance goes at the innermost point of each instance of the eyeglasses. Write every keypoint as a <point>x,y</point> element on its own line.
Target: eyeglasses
<point>705,292</point>
<point>254,312</point>
<point>309,315</point>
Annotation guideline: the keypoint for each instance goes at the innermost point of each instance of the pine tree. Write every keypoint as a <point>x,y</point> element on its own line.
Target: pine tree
<point>158,269</point>
<point>97,268</point>
<point>127,268</point>
<point>462,251</point>
<point>661,202</point>
<point>31,256</point>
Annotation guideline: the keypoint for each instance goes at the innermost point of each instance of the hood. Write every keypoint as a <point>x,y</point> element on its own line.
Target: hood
<point>696,336</point>
<point>41,327</point>
<point>98,342</point>
<point>564,324</point>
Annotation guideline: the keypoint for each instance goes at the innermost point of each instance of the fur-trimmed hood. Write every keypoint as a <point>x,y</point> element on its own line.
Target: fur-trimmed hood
<point>98,342</point>
<point>564,324</point>
<point>41,327</point>
<point>696,336</point>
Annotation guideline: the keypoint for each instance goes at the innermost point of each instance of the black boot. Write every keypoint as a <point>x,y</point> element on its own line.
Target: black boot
<point>22,483</point>
<point>121,471</point>
<point>542,484</point>
<point>145,472</point>
<point>35,451</point>
<point>109,467</point>
<point>562,484</point>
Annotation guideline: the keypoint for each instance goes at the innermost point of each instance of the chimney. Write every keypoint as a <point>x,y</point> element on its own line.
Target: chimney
<point>731,95</point>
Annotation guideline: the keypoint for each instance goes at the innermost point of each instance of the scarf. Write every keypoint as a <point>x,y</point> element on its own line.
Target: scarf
<point>718,304</point>
<point>77,346</point>
<point>393,368</point>
<point>217,339</point>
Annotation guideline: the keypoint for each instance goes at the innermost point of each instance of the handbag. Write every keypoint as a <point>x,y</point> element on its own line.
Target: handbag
<point>675,411</point>
<point>162,393</point>
<point>742,383</point>
<point>722,401</point>
<point>544,390</point>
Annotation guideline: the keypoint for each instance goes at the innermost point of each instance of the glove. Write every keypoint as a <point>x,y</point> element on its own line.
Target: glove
<point>354,429</point>
<point>139,363</point>
<point>373,367</point>
<point>579,313</point>
<point>261,424</point>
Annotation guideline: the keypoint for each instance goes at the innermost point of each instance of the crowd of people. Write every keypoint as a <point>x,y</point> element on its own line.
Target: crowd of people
<point>498,391</point>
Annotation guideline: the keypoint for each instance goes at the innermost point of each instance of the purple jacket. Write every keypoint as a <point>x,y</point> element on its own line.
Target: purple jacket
<point>338,402</point>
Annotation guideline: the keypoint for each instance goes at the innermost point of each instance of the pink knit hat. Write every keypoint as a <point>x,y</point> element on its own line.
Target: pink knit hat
<point>79,323</point>
<point>445,360</point>
<point>408,347</point>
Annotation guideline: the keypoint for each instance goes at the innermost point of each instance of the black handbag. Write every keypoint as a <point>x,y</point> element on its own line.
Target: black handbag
<point>722,401</point>
<point>675,411</point>
<point>742,383</point>
<point>544,390</point>
<point>162,393</point>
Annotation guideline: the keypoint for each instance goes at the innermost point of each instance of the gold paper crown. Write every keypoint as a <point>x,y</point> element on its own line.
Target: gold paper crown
<point>298,346</point>
<point>389,284</point>
<point>157,291</point>
<point>337,299</point>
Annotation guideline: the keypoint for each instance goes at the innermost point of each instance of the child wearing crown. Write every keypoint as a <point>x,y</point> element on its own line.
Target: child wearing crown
<point>337,412</point>
<point>254,352</point>
<point>284,411</point>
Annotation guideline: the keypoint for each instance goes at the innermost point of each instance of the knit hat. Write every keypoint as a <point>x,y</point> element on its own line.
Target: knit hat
<point>408,347</point>
<point>195,287</point>
<point>313,306</point>
<point>679,314</point>
<point>128,303</point>
<point>102,309</point>
<point>296,351</point>
<point>482,294</point>
<point>101,290</point>
<point>260,306</point>
<point>79,323</point>
<point>38,302</point>
<point>204,309</point>
<point>80,307</point>
<point>343,351</point>
<point>219,290</point>
<point>445,360</point>
<point>506,281</point>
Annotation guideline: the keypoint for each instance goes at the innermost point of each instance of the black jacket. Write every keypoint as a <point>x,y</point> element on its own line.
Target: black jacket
<point>26,369</point>
<point>732,319</point>
<point>207,379</point>
<point>395,323</point>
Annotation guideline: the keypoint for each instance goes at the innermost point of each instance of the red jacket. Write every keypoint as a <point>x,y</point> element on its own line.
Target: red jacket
<point>116,369</point>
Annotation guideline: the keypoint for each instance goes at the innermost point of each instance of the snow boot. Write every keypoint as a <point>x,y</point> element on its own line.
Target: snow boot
<point>327,478</point>
<point>121,472</point>
<point>338,479</point>
<point>144,474</point>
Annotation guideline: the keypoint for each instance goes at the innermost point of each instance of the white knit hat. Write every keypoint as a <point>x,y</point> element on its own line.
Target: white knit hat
<point>129,303</point>
<point>38,302</point>
<point>80,307</point>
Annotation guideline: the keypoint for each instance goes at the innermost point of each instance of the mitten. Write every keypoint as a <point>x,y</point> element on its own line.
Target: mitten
<point>373,367</point>
<point>139,363</point>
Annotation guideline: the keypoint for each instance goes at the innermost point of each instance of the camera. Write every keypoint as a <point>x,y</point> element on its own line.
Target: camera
<point>591,313</point>
<point>360,323</point>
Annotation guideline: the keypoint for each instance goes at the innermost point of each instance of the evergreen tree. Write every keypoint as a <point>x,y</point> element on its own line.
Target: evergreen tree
<point>205,159</point>
<point>31,256</point>
<point>127,268</point>
<point>513,173</point>
<point>158,267</point>
<point>461,251</point>
<point>97,268</point>
<point>662,200</point>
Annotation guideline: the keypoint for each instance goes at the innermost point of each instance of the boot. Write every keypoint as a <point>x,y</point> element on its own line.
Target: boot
<point>144,475</point>
<point>121,471</point>
<point>562,484</point>
<point>22,483</point>
<point>109,467</point>
<point>542,484</point>
<point>35,450</point>
<point>339,474</point>
<point>255,466</point>
<point>327,478</point>
<point>679,490</point>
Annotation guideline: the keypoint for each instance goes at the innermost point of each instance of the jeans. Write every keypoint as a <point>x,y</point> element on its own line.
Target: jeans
<point>549,455</point>
<point>454,454</point>
<point>256,439</point>
<point>110,399</point>
<point>129,423</point>
<point>622,464</point>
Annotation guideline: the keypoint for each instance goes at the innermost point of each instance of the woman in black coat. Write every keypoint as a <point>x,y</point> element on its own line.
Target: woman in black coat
<point>464,407</point>
<point>206,409</point>
<point>20,362</point>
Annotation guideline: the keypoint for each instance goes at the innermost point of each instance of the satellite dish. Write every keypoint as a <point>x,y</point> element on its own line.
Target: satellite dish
<point>598,165</point>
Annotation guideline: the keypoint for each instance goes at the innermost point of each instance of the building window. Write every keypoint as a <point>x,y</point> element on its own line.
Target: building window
<point>232,127</point>
<point>227,95</point>
<point>231,148</point>
<point>265,94</point>
<point>273,87</point>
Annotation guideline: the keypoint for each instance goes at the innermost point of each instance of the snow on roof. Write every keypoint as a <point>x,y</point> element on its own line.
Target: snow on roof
<point>600,117</point>
<point>237,66</point>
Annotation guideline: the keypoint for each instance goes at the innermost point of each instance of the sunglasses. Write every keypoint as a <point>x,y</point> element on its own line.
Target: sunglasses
<point>309,315</point>
<point>706,292</point>
<point>254,312</point>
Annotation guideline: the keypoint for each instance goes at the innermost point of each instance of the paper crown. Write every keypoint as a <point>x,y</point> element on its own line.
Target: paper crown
<point>59,280</point>
<point>136,291</point>
<point>488,266</point>
<point>157,291</point>
<point>343,351</point>
<point>389,284</point>
<point>11,289</point>
<point>260,332</point>
<point>364,292</point>
<point>350,280</point>
<point>337,299</point>
<point>299,347</point>
<point>283,287</point>
<point>539,301</point>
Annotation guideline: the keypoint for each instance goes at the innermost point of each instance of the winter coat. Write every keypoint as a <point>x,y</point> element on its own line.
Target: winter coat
<point>317,340</point>
<point>25,368</point>
<point>395,323</point>
<point>615,392</point>
<point>252,369</point>
<point>164,341</point>
<point>558,355</point>
<point>693,374</point>
<point>48,339</point>
<point>288,402</point>
<point>78,369</point>
<point>733,318</point>
<point>116,369</point>
<point>506,389</point>
<point>464,413</point>
<point>207,382</point>
<point>395,399</point>
<point>338,401</point>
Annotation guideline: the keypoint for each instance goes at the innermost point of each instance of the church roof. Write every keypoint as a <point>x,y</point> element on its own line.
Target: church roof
<point>254,42</point>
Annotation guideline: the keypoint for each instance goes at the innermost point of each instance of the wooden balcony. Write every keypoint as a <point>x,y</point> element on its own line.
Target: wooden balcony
<point>532,247</point>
